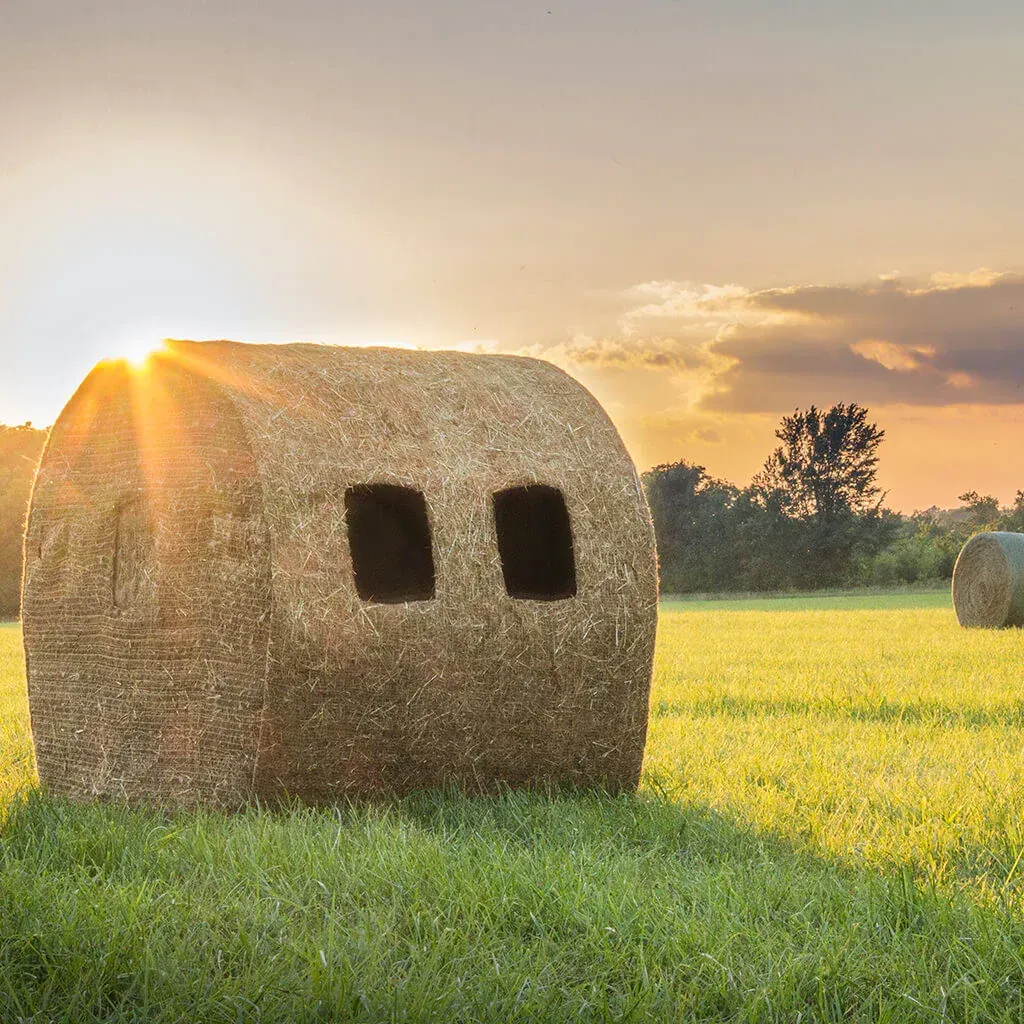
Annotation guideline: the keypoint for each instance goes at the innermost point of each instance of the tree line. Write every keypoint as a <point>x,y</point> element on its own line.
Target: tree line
<point>20,448</point>
<point>813,517</point>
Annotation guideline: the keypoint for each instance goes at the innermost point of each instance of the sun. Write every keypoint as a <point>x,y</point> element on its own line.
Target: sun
<point>135,349</point>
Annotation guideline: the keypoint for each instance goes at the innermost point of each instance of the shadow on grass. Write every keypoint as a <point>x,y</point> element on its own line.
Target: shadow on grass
<point>521,907</point>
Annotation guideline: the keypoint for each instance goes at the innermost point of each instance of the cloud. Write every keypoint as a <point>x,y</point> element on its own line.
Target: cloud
<point>661,353</point>
<point>893,357</point>
<point>953,339</point>
<point>950,339</point>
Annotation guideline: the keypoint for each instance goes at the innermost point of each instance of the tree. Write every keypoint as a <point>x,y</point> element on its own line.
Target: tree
<point>827,463</point>
<point>693,527</point>
<point>769,543</point>
<point>20,448</point>
<point>1012,519</point>
<point>823,477</point>
<point>982,509</point>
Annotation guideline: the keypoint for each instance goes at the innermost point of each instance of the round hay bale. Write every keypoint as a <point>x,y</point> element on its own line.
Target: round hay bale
<point>988,581</point>
<point>261,571</point>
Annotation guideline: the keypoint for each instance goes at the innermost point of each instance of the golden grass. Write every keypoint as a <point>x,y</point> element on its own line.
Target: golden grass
<point>881,737</point>
<point>16,767</point>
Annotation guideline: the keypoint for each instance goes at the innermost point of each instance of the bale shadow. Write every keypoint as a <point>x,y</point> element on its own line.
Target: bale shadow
<point>519,906</point>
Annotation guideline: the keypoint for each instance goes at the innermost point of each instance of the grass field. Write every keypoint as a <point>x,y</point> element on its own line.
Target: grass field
<point>839,600</point>
<point>830,829</point>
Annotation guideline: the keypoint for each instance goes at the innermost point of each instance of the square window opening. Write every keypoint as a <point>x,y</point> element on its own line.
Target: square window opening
<point>535,543</point>
<point>389,538</point>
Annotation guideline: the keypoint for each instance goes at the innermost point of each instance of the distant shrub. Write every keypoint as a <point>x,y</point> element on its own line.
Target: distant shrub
<point>19,452</point>
<point>913,559</point>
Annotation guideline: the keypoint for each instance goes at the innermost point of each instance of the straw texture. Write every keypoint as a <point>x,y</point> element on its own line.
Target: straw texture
<point>988,581</point>
<point>192,626</point>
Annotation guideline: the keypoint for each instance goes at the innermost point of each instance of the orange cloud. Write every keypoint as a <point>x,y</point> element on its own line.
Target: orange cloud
<point>893,357</point>
<point>703,372</point>
<point>888,341</point>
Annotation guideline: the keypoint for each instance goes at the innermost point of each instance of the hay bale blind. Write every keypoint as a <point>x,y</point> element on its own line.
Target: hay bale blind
<point>988,581</point>
<point>310,571</point>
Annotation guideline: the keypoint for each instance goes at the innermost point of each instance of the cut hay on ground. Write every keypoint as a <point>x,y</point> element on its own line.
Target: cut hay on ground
<point>301,570</point>
<point>988,581</point>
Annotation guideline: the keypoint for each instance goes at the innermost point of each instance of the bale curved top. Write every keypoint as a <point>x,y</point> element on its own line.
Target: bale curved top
<point>469,681</point>
<point>988,581</point>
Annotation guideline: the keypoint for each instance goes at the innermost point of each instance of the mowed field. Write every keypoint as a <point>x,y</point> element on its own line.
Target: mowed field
<point>830,828</point>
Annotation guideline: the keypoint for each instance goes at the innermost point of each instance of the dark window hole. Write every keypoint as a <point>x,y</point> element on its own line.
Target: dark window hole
<point>535,543</point>
<point>389,537</point>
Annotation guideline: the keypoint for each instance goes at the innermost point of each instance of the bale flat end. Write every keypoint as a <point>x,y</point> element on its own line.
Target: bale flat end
<point>988,581</point>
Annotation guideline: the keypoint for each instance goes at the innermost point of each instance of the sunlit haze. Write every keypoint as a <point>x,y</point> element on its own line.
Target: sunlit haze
<point>707,212</point>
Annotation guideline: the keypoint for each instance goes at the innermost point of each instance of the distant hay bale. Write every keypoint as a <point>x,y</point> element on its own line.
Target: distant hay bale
<point>988,581</point>
<point>300,570</point>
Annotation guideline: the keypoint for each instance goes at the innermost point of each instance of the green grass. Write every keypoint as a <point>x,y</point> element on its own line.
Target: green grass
<point>830,829</point>
<point>839,600</point>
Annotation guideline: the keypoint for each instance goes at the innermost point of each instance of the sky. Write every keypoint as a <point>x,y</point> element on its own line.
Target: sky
<point>709,213</point>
